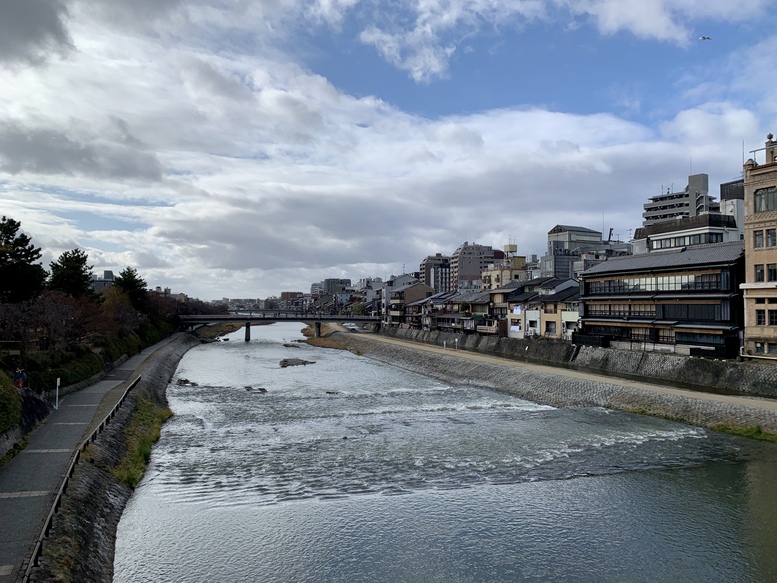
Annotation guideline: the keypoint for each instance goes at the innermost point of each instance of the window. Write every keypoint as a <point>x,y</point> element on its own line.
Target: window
<point>771,348</point>
<point>760,317</point>
<point>772,317</point>
<point>759,272</point>
<point>766,199</point>
<point>758,238</point>
<point>550,327</point>
<point>771,237</point>
<point>771,272</point>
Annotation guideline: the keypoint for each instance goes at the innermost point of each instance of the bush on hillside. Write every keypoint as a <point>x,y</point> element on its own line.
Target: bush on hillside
<point>10,404</point>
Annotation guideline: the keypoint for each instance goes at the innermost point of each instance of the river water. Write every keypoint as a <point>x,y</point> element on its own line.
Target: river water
<point>351,470</point>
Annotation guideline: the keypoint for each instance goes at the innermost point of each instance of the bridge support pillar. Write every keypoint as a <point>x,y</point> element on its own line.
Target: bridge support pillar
<point>248,331</point>
<point>317,328</point>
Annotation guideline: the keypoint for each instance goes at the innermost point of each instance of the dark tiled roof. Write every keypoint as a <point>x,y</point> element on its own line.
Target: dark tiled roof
<point>700,255</point>
<point>571,294</point>
<point>511,285</point>
<point>525,296</point>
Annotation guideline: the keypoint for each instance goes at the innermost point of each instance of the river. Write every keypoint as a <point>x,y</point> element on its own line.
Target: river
<point>351,470</point>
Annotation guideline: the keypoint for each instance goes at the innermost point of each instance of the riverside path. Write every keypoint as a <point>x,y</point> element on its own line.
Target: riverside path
<point>29,482</point>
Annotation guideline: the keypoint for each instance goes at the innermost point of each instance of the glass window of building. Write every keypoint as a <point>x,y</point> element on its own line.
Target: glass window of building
<point>766,199</point>
<point>772,317</point>
<point>771,272</point>
<point>771,237</point>
<point>759,272</point>
<point>758,238</point>
<point>760,317</point>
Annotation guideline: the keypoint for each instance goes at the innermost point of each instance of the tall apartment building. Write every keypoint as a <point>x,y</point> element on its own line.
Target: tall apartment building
<point>760,287</point>
<point>675,220</point>
<point>435,272</point>
<point>333,285</point>
<point>468,263</point>
<point>691,202</point>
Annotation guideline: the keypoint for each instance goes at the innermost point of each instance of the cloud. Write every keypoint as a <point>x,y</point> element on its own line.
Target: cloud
<point>51,151</point>
<point>33,31</point>
<point>218,165</point>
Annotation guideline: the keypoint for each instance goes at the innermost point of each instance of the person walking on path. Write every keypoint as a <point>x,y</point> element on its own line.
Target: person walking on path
<point>19,377</point>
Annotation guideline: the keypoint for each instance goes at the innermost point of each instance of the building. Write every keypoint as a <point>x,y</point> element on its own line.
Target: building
<point>511,268</point>
<point>468,263</point>
<point>684,300</point>
<point>99,283</point>
<point>687,231</point>
<point>760,286</point>
<point>525,305</point>
<point>691,202</point>
<point>568,246</point>
<point>398,292</point>
<point>435,272</point>
<point>334,285</point>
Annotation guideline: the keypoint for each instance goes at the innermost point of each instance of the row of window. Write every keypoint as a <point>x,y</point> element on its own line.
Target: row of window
<point>699,239</point>
<point>706,281</point>
<point>769,272</point>
<point>764,316</point>
<point>618,310</point>
<point>760,241</point>
<point>657,336</point>
<point>685,312</point>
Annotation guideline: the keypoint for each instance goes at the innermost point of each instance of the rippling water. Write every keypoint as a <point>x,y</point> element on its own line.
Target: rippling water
<point>352,470</point>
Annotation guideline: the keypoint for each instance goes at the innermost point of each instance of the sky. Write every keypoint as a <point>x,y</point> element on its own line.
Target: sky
<point>242,148</point>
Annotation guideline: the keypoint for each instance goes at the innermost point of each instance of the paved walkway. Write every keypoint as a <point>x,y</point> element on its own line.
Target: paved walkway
<point>29,482</point>
<point>744,401</point>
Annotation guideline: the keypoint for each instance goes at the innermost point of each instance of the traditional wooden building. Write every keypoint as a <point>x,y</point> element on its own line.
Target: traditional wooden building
<point>685,301</point>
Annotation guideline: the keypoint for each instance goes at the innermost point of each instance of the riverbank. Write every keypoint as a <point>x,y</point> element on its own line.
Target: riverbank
<point>80,545</point>
<point>566,387</point>
<point>755,378</point>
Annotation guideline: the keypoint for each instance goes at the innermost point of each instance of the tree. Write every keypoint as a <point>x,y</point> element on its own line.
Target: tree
<point>134,286</point>
<point>21,279</point>
<point>71,275</point>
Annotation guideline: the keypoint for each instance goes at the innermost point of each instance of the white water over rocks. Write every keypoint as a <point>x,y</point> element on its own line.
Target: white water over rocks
<point>348,469</point>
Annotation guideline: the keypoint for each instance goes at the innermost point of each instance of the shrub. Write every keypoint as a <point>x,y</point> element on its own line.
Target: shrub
<point>10,404</point>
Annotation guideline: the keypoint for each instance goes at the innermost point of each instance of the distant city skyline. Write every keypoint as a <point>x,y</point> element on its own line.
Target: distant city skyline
<point>259,147</point>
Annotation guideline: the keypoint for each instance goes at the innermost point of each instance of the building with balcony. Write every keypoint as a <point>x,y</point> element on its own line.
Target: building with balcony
<point>468,263</point>
<point>685,301</point>
<point>436,272</point>
<point>687,231</point>
<point>693,201</point>
<point>760,285</point>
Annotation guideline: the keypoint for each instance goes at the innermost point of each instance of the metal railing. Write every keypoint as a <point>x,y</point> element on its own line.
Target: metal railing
<point>32,562</point>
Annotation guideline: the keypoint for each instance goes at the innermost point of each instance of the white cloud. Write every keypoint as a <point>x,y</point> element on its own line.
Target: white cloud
<point>235,172</point>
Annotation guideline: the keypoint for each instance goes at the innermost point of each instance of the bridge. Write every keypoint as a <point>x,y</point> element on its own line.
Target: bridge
<point>271,316</point>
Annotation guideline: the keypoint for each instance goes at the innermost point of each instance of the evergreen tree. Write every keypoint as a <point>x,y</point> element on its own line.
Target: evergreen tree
<point>134,286</point>
<point>21,279</point>
<point>71,275</point>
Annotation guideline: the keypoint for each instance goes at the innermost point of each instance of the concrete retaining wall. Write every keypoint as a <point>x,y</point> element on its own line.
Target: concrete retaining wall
<point>747,377</point>
<point>550,389</point>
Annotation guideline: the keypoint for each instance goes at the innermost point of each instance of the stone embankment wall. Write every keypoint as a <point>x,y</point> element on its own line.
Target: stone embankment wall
<point>746,377</point>
<point>550,389</point>
<point>82,537</point>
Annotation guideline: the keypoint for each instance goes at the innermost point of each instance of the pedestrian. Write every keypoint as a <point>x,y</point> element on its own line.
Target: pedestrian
<point>19,377</point>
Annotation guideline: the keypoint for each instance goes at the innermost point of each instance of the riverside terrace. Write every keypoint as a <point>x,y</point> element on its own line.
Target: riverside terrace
<point>276,316</point>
